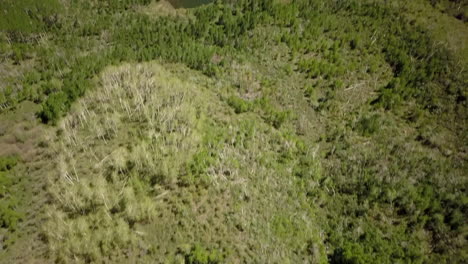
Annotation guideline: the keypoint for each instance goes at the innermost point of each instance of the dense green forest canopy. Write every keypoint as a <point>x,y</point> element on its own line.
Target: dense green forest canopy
<point>252,131</point>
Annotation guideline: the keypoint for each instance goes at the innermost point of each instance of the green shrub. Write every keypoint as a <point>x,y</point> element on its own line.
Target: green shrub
<point>200,255</point>
<point>239,105</point>
<point>337,84</point>
<point>9,215</point>
<point>456,219</point>
<point>53,108</point>
<point>388,99</point>
<point>276,118</point>
<point>310,92</point>
<point>369,125</point>
<point>350,253</point>
<point>8,162</point>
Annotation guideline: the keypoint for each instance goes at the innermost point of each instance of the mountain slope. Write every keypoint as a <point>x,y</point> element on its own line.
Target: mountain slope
<point>237,132</point>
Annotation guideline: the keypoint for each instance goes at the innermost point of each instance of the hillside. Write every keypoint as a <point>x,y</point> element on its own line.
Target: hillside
<point>249,131</point>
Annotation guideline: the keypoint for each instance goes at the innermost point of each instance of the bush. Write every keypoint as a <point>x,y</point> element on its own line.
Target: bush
<point>239,105</point>
<point>310,92</point>
<point>368,125</point>
<point>350,253</point>
<point>276,118</point>
<point>8,162</point>
<point>53,108</point>
<point>199,255</point>
<point>9,215</point>
<point>388,99</point>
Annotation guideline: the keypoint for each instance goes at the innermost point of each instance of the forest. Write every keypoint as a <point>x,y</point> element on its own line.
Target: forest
<point>236,131</point>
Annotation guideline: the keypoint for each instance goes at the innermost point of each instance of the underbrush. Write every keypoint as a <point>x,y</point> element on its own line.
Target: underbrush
<point>9,216</point>
<point>11,200</point>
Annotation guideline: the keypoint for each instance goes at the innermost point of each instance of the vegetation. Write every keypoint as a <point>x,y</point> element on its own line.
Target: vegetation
<point>11,200</point>
<point>8,215</point>
<point>241,131</point>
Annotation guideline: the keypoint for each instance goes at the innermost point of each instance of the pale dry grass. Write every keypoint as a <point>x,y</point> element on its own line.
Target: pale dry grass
<point>138,128</point>
<point>162,8</point>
